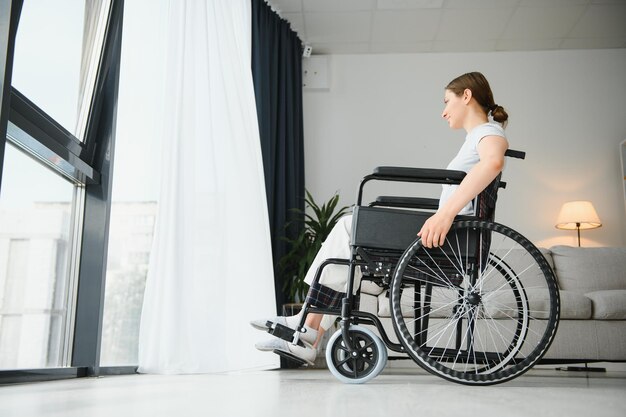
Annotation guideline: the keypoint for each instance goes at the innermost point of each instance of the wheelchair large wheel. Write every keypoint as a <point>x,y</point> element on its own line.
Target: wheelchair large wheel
<point>480,310</point>
<point>365,359</point>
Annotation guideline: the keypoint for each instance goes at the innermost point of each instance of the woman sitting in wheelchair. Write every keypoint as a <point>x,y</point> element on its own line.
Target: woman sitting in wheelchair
<point>469,104</point>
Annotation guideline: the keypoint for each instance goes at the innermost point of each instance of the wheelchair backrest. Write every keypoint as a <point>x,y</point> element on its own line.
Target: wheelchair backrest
<point>486,200</point>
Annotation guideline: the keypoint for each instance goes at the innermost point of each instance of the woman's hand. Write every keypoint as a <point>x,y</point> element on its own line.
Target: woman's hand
<point>435,229</point>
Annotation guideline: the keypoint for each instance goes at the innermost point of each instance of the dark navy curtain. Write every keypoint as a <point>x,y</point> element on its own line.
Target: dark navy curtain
<point>277,73</point>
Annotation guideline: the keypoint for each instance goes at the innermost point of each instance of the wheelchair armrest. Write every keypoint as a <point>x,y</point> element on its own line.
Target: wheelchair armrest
<point>424,175</point>
<point>515,154</point>
<point>430,175</point>
<point>407,202</point>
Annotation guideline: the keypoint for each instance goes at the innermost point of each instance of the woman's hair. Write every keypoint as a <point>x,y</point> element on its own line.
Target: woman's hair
<point>481,91</point>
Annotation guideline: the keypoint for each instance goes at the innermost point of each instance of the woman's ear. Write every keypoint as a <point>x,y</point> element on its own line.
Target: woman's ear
<point>467,95</point>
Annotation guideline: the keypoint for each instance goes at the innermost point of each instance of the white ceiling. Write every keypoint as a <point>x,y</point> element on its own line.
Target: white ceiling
<point>405,26</point>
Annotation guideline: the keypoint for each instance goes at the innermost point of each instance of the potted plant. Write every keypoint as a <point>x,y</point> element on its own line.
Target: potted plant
<point>317,225</point>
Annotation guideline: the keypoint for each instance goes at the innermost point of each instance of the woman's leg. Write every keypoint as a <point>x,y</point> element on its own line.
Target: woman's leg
<point>313,320</point>
<point>334,277</point>
<point>337,245</point>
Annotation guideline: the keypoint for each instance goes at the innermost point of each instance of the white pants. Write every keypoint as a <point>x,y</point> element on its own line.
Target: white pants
<point>336,245</point>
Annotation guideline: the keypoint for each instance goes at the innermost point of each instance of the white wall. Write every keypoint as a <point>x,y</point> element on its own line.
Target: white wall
<point>567,111</point>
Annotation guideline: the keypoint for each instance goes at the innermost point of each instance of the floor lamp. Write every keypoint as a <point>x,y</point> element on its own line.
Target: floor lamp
<point>577,215</point>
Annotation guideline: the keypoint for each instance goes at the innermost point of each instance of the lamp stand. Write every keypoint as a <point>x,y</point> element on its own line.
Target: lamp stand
<point>578,230</point>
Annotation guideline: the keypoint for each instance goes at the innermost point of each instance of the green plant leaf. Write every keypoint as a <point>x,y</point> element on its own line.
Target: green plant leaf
<point>294,265</point>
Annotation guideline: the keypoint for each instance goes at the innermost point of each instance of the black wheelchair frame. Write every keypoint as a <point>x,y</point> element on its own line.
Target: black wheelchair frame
<point>492,317</point>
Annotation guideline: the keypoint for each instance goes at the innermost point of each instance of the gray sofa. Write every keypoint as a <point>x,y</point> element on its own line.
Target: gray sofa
<point>592,285</point>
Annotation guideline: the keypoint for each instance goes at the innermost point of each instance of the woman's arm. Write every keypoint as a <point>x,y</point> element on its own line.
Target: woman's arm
<point>491,150</point>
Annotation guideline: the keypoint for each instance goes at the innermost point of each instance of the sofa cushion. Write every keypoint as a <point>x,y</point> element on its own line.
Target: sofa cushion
<point>608,305</point>
<point>586,270</point>
<point>369,303</point>
<point>384,308</point>
<point>370,287</point>
<point>406,303</point>
<point>442,301</point>
<point>574,306</point>
<point>519,260</point>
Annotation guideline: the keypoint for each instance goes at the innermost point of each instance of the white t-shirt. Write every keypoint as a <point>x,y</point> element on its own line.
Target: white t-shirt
<point>468,157</point>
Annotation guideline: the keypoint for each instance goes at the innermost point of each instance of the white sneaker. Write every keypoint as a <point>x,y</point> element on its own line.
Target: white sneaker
<point>306,353</point>
<point>310,336</point>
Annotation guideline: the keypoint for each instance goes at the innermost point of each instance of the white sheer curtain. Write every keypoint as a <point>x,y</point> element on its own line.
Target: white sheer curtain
<point>210,268</point>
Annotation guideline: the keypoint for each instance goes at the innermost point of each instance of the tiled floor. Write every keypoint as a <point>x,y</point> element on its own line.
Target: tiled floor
<point>396,392</point>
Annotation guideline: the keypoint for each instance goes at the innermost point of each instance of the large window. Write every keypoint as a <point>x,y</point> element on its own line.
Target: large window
<point>36,236</point>
<point>55,194</point>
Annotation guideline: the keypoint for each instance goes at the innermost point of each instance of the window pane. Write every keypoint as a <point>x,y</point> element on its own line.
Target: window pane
<point>57,49</point>
<point>130,241</point>
<point>35,243</point>
<point>135,180</point>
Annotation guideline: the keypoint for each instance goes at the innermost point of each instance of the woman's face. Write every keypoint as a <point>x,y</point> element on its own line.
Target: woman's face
<point>455,109</point>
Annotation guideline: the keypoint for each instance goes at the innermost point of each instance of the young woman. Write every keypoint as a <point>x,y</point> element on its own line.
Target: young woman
<point>468,104</point>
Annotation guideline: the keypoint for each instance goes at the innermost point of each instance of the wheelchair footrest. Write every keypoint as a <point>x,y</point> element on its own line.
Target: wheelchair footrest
<point>289,356</point>
<point>282,332</point>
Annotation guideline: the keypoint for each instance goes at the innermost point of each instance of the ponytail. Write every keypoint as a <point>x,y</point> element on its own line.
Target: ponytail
<point>499,114</point>
<point>481,92</point>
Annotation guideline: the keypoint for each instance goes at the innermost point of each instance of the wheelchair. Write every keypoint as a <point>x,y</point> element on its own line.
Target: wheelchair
<point>481,309</point>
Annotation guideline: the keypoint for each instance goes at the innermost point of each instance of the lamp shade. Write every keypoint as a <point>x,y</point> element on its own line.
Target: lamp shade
<point>578,214</point>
